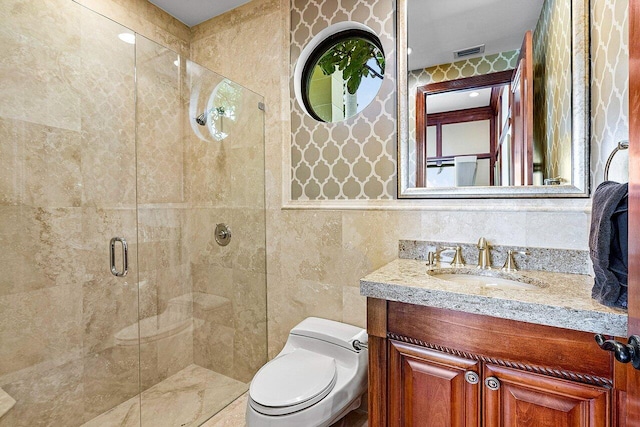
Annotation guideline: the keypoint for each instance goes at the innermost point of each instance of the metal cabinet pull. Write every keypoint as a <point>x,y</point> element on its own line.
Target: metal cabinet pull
<point>492,383</point>
<point>471,377</point>
<point>125,257</point>
<point>623,353</point>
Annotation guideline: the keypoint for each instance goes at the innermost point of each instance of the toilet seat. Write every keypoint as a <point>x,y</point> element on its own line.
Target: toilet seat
<point>292,382</point>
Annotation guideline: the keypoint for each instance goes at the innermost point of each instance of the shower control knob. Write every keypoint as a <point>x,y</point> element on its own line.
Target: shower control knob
<point>222,234</point>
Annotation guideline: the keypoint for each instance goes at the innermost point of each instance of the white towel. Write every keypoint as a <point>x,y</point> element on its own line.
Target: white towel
<point>465,167</point>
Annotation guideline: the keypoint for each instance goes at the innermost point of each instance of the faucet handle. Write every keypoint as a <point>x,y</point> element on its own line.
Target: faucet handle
<point>431,258</point>
<point>510,263</point>
<point>457,260</point>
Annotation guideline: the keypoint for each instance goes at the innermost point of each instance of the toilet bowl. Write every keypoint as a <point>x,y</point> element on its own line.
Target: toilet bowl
<point>318,377</point>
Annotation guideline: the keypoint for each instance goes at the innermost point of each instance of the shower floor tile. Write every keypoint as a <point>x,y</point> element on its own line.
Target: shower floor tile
<point>186,398</point>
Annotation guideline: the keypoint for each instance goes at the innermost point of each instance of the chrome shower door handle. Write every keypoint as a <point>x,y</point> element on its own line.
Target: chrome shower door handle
<point>125,257</point>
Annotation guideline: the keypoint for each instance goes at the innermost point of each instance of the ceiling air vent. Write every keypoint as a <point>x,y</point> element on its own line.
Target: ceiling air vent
<point>468,51</point>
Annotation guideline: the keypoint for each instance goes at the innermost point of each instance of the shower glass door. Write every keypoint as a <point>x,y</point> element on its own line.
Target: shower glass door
<point>200,163</point>
<point>67,187</point>
<point>105,134</point>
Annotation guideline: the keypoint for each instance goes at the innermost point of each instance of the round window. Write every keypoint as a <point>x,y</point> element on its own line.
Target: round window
<point>342,74</point>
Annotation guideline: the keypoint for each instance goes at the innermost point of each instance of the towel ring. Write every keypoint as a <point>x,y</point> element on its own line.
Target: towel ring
<point>622,145</point>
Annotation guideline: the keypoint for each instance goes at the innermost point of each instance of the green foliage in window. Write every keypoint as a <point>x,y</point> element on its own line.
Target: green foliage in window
<point>352,57</point>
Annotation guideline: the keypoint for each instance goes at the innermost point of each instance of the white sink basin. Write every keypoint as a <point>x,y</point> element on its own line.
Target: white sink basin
<point>489,279</point>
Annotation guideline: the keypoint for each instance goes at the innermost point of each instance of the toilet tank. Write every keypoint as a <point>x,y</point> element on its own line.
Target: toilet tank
<point>330,331</point>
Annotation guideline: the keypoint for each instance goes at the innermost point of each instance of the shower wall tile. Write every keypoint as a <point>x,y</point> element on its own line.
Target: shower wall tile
<point>248,231</point>
<point>52,168</point>
<point>249,314</point>
<point>39,326</point>
<point>144,18</point>
<point>207,173</point>
<point>40,165</point>
<point>44,244</point>
<point>214,340</point>
<point>46,55</point>
<point>108,156</point>
<point>175,353</point>
<point>212,280</point>
<point>247,189</point>
<point>11,162</point>
<point>108,308</point>
<point>159,118</point>
<point>109,378</point>
<point>216,43</point>
<point>200,233</point>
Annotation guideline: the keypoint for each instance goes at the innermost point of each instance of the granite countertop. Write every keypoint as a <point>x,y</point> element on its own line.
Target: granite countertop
<point>563,300</point>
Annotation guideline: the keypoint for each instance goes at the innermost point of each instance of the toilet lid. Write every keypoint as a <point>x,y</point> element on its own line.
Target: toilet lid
<point>298,379</point>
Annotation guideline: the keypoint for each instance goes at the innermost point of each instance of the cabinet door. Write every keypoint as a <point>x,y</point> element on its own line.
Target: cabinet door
<point>430,388</point>
<point>523,399</point>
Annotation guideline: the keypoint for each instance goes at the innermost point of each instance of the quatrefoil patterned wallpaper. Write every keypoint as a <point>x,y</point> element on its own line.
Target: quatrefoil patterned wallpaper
<point>354,159</point>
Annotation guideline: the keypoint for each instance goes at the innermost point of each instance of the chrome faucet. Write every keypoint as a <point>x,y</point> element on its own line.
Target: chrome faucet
<point>484,261</point>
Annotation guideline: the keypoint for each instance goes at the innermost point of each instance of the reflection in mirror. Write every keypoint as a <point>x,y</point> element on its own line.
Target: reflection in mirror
<point>519,136</point>
<point>342,75</point>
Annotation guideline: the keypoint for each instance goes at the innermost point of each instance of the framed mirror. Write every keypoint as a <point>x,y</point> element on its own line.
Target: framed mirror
<point>493,105</point>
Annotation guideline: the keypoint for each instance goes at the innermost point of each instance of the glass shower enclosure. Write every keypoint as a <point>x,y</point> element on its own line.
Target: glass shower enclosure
<point>110,142</point>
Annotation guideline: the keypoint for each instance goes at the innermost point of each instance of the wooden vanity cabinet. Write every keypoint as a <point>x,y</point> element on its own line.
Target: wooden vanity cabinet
<point>437,367</point>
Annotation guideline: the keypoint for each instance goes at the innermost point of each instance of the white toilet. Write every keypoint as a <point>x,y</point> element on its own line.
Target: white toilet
<point>318,377</point>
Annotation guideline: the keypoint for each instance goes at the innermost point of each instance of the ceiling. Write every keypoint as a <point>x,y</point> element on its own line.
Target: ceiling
<point>458,100</point>
<point>193,12</point>
<point>437,28</point>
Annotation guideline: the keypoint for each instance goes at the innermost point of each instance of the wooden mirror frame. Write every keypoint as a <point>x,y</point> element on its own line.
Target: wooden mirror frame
<point>580,121</point>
